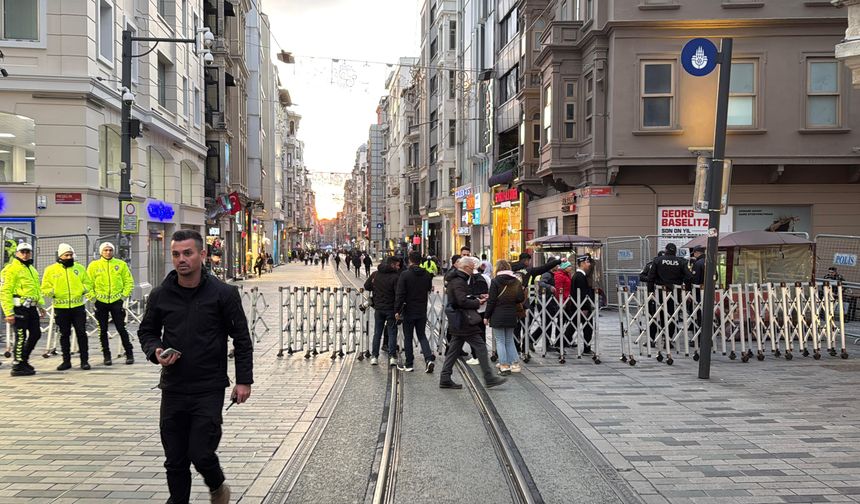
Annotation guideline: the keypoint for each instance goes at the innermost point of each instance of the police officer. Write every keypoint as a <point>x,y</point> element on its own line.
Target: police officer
<point>67,282</point>
<point>112,282</point>
<point>21,301</point>
<point>698,265</point>
<point>669,271</point>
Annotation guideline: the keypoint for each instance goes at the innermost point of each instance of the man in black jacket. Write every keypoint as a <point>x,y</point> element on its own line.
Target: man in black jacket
<point>584,294</point>
<point>525,263</point>
<point>383,286</point>
<point>193,313</point>
<point>465,325</point>
<point>669,271</point>
<point>410,303</point>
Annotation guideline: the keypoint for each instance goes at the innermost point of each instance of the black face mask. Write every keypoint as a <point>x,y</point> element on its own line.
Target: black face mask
<point>28,262</point>
<point>67,263</point>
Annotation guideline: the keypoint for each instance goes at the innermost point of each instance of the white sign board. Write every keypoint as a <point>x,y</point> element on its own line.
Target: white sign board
<point>680,224</point>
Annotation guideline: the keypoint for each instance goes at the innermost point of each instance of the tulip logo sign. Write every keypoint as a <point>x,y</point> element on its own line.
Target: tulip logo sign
<point>699,57</point>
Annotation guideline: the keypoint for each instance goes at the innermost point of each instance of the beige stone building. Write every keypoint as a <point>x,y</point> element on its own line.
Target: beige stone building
<point>612,125</point>
<point>60,123</point>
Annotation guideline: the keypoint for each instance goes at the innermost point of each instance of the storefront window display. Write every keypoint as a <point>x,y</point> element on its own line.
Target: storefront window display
<point>507,224</point>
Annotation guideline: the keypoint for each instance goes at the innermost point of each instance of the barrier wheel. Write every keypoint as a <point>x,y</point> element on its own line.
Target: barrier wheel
<point>805,352</point>
<point>832,352</point>
<point>817,355</point>
<point>788,356</point>
<point>760,356</point>
<point>844,354</point>
<point>732,355</point>
<point>696,357</point>
<point>340,354</point>
<point>315,352</point>
<point>367,353</point>
<point>632,362</point>
<point>360,357</point>
<point>561,361</point>
<point>776,353</point>
<point>623,358</point>
<point>333,356</point>
<point>597,361</point>
<point>46,355</point>
<point>281,353</point>
<point>527,358</point>
<point>7,354</point>
<point>745,358</point>
<point>659,357</point>
<point>670,361</point>
<point>494,357</point>
<point>308,355</point>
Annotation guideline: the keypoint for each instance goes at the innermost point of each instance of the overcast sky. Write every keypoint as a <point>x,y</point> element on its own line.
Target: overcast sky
<point>337,99</point>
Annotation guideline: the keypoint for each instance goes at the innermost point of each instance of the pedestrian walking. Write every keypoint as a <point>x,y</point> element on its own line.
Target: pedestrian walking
<point>258,265</point>
<point>67,282</point>
<point>337,262</point>
<point>367,263</point>
<point>112,283</point>
<point>356,264</point>
<point>465,324</point>
<point>22,304</point>
<point>584,294</point>
<point>193,314</point>
<point>383,287</point>
<point>503,314</point>
<point>270,262</point>
<point>410,306</point>
<point>479,285</point>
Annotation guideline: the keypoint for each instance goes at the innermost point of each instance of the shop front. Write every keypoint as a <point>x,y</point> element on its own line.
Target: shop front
<point>507,223</point>
<point>464,217</point>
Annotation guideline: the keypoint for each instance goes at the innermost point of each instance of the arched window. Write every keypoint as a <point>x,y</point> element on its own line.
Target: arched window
<point>292,128</point>
<point>187,174</point>
<point>109,158</point>
<point>156,174</point>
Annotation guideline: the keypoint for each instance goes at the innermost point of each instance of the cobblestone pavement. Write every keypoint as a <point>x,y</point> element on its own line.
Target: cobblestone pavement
<point>92,437</point>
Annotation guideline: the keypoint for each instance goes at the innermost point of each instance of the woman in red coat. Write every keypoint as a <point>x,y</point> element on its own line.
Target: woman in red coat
<point>563,283</point>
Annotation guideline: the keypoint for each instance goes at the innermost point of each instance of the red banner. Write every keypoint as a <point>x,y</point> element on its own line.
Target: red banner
<point>235,203</point>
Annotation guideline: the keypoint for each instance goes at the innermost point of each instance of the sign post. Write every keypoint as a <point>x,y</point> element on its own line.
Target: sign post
<point>699,58</point>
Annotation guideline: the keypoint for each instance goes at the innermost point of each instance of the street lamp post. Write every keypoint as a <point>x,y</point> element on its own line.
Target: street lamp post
<point>127,103</point>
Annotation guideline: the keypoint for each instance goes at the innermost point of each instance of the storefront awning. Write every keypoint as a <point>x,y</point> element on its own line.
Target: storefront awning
<point>501,178</point>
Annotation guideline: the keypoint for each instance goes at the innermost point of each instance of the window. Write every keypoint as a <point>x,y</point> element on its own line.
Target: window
<point>589,10</point>
<point>536,139</point>
<point>432,13</point>
<point>184,20</point>
<point>167,10</point>
<point>186,110</point>
<point>547,114</point>
<point>434,85</point>
<point>213,161</point>
<point>105,31</point>
<point>162,83</point>
<point>509,85</point>
<point>589,104</point>
<point>433,48</point>
<point>452,132</point>
<point>109,157</point>
<point>742,95</point>
<point>433,188</point>
<point>432,154</point>
<point>187,176</point>
<point>196,107</point>
<point>452,36</point>
<point>657,98</point>
<point>822,89</point>
<point>156,174</point>
<point>195,24</point>
<point>508,28</point>
<point>548,227</point>
<point>21,19</point>
<point>569,110</point>
<point>452,84</point>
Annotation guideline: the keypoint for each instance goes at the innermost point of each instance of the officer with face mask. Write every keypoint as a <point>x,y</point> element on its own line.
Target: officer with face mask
<point>67,283</point>
<point>22,302</point>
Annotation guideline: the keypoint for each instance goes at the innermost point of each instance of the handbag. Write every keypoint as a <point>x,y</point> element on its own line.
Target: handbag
<point>521,310</point>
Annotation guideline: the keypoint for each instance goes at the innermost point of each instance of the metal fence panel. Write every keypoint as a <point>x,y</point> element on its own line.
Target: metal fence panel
<point>625,256</point>
<point>46,251</point>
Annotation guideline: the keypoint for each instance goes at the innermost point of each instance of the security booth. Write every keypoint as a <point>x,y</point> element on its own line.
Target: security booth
<point>566,245</point>
<point>756,257</point>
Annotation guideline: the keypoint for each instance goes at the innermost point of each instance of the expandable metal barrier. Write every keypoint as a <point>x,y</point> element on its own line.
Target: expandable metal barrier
<point>752,318</point>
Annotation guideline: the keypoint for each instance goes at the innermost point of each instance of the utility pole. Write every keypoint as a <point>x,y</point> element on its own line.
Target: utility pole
<point>125,195</point>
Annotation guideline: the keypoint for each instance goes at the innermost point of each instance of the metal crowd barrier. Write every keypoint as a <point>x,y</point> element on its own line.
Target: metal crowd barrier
<point>750,319</point>
<point>560,326</point>
<point>254,297</point>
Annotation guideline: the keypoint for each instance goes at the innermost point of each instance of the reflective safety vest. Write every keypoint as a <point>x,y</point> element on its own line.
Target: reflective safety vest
<point>111,279</point>
<point>67,286</point>
<point>20,286</point>
<point>430,266</point>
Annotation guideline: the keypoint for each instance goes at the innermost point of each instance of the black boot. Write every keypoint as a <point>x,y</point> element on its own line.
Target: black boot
<point>129,359</point>
<point>22,369</point>
<point>65,365</point>
<point>108,361</point>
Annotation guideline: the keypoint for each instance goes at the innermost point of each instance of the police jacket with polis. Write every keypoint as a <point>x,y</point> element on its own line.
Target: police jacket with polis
<point>460,297</point>
<point>111,278</point>
<point>669,270</point>
<point>413,287</point>
<point>197,322</point>
<point>383,284</point>
<point>19,280</point>
<point>67,284</point>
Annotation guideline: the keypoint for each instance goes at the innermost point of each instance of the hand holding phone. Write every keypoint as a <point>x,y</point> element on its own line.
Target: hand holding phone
<point>166,357</point>
<point>170,351</point>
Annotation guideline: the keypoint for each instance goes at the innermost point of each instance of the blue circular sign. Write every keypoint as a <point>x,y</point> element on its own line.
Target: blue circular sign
<point>699,57</point>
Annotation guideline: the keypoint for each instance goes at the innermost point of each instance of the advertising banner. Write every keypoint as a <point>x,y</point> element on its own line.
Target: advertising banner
<point>680,224</point>
<point>796,219</point>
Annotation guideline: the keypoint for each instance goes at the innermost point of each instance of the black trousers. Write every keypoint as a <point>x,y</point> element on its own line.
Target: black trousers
<point>66,318</point>
<point>27,332</point>
<point>367,271</point>
<point>116,312</point>
<point>476,340</point>
<point>418,327</point>
<point>357,270</point>
<point>190,434</point>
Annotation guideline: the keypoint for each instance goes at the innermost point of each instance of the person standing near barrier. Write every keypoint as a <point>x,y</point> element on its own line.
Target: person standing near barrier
<point>194,314</point>
<point>563,288</point>
<point>410,305</point>
<point>22,304</point>
<point>383,286</point>
<point>112,283</point>
<point>584,295</point>
<point>67,282</point>
<point>465,324</point>
<point>698,265</point>
<point>669,271</point>
<point>504,307</point>
<point>532,272</point>
<point>479,285</point>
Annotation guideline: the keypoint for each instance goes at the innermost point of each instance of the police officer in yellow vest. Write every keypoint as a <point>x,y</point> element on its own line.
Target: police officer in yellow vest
<point>21,300</point>
<point>112,283</point>
<point>67,283</point>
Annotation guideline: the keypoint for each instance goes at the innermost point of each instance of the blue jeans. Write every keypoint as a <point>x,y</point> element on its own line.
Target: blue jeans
<point>384,319</point>
<point>418,326</point>
<point>505,346</point>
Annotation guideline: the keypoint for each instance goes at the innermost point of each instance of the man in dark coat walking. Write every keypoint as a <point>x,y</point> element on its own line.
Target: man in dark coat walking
<point>193,314</point>
<point>383,286</point>
<point>410,304</point>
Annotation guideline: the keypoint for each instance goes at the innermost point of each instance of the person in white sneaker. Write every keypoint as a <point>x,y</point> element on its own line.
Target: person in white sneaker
<point>504,305</point>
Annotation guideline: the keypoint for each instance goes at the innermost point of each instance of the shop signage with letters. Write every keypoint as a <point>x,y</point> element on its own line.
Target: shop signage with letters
<point>595,192</point>
<point>568,202</point>
<point>68,198</point>
<point>507,195</point>
<point>462,192</point>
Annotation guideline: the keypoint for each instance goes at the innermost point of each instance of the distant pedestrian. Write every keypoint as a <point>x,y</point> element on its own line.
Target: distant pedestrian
<point>270,262</point>
<point>112,284</point>
<point>504,310</point>
<point>465,324</point>
<point>368,262</point>
<point>258,265</point>
<point>67,282</point>
<point>194,378</point>
<point>410,306</point>
<point>337,262</point>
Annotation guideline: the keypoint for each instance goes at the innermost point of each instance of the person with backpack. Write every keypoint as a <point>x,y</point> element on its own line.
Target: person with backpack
<point>503,314</point>
<point>383,287</point>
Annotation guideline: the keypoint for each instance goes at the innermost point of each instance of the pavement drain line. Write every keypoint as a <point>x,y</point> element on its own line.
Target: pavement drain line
<point>286,481</point>
<point>610,474</point>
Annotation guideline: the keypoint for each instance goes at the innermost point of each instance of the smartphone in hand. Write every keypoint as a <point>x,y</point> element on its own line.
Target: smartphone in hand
<point>170,351</point>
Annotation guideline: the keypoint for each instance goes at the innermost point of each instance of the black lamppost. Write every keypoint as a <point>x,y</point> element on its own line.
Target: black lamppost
<point>132,128</point>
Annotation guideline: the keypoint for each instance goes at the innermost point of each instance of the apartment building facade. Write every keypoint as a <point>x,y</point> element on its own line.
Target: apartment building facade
<point>60,116</point>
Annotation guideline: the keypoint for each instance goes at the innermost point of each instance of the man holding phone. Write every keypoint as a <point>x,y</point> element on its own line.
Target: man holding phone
<point>185,329</point>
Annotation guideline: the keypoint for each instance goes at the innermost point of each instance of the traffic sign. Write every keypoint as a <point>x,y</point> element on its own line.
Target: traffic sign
<point>699,57</point>
<point>129,224</point>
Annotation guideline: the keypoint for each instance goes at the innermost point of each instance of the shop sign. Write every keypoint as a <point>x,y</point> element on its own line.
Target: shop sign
<point>568,202</point>
<point>433,214</point>
<point>848,260</point>
<point>160,211</point>
<point>416,240</point>
<point>462,192</point>
<point>214,231</point>
<point>506,196</point>
<point>68,198</point>
<point>464,230</point>
<point>625,255</point>
<point>595,192</point>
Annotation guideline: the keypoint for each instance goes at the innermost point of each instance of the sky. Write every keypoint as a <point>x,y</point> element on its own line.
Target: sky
<point>337,99</point>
